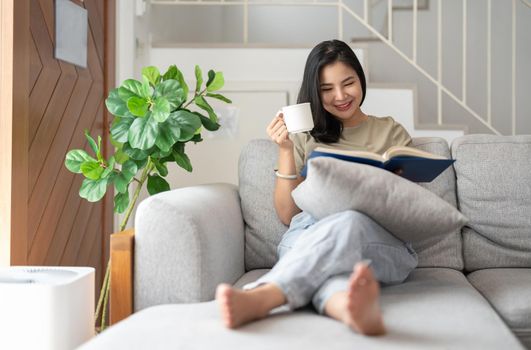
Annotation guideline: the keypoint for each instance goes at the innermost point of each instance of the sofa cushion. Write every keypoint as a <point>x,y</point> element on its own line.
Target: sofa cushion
<point>263,229</point>
<point>405,209</point>
<point>509,292</point>
<point>459,318</point>
<point>494,192</point>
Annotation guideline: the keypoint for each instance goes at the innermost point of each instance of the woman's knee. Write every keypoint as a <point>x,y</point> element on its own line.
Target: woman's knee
<point>354,215</point>
<point>358,225</point>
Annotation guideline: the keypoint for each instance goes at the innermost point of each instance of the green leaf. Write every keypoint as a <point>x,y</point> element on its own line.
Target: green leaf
<point>156,184</point>
<point>188,122</point>
<point>138,106</point>
<point>140,163</point>
<point>132,88</point>
<point>169,133</point>
<point>207,123</point>
<point>183,161</point>
<point>93,190</point>
<point>115,104</point>
<point>183,84</point>
<point>147,91</point>
<point>75,158</point>
<point>175,74</point>
<point>211,76</point>
<point>91,170</point>
<point>110,167</point>
<point>161,109</point>
<point>199,79</point>
<point>98,154</point>
<point>120,184</point>
<point>122,180</point>
<point>157,153</point>
<point>216,83</point>
<point>129,170</point>
<point>121,202</point>
<point>203,104</point>
<point>152,74</point>
<point>173,91</point>
<point>181,158</point>
<point>162,169</point>
<point>197,138</point>
<point>171,73</point>
<point>219,97</point>
<point>116,144</point>
<point>120,129</point>
<point>134,153</point>
<point>143,133</point>
<point>120,156</point>
<point>91,142</point>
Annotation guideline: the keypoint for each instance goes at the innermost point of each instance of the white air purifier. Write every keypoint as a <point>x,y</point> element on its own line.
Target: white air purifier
<point>46,307</point>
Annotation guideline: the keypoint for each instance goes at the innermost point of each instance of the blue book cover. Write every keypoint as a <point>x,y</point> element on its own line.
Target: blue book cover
<point>407,162</point>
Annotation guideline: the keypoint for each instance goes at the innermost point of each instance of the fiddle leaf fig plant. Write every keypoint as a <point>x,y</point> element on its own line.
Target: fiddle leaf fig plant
<point>152,125</point>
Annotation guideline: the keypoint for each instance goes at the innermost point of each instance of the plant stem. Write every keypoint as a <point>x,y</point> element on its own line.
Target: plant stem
<point>143,178</point>
<point>105,302</point>
<point>192,100</point>
<point>106,286</point>
<point>102,291</point>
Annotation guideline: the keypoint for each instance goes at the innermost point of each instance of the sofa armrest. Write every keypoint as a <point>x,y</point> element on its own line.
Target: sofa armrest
<point>121,296</point>
<point>187,241</point>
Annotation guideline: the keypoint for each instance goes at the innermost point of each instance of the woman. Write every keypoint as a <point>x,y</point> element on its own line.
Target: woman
<point>316,257</point>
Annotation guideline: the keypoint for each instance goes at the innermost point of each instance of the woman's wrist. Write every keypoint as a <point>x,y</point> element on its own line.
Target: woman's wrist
<point>286,176</point>
<point>286,150</point>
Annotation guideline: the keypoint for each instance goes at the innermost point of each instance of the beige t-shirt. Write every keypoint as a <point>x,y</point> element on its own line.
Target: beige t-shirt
<point>373,135</point>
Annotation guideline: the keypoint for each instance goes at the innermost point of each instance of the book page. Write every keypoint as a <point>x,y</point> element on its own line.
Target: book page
<point>358,154</point>
<point>398,151</point>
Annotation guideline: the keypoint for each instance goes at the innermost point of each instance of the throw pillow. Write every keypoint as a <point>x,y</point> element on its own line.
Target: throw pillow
<point>404,208</point>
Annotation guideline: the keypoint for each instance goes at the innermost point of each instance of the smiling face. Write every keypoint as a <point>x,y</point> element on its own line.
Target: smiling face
<point>341,93</point>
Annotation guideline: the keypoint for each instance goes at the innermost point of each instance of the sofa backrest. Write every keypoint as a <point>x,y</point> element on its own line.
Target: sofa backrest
<point>263,229</point>
<point>494,192</point>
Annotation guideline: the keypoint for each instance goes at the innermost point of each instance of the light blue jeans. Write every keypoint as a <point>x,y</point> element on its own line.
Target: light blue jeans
<point>316,258</point>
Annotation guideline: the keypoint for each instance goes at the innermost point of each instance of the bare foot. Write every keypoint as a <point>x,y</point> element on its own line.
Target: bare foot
<point>364,315</point>
<point>240,307</point>
<point>358,307</point>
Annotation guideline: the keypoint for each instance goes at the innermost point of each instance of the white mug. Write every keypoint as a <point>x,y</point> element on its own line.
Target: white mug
<point>298,118</point>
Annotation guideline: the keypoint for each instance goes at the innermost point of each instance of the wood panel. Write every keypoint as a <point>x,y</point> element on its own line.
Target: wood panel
<point>65,100</point>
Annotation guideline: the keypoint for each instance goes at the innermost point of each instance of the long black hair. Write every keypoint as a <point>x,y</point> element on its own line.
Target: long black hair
<point>327,129</point>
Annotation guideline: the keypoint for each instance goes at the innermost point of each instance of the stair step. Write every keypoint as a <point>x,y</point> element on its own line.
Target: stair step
<point>241,64</point>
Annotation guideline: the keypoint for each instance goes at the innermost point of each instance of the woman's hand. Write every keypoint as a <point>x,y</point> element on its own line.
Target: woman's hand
<point>278,132</point>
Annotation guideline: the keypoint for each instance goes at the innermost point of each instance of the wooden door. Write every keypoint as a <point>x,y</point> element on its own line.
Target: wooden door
<point>64,100</point>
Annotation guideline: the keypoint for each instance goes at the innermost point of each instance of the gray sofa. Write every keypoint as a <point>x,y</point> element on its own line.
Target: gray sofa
<point>472,289</point>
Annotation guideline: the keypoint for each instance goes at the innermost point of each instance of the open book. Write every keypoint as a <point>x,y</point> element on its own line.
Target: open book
<point>408,162</point>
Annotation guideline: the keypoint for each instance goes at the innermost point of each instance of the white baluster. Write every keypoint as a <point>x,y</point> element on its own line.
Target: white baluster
<point>489,62</point>
<point>465,34</point>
